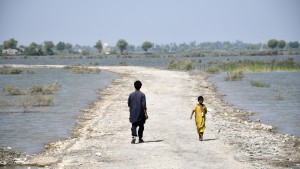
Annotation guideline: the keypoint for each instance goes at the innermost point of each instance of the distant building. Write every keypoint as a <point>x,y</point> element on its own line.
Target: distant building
<point>10,51</point>
<point>106,48</point>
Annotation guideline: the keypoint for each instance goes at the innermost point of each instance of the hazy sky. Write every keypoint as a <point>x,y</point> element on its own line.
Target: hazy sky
<point>85,22</point>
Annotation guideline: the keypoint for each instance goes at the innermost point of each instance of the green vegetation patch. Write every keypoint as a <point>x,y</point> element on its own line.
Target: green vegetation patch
<point>13,90</point>
<point>35,100</point>
<point>180,65</point>
<point>259,84</point>
<point>83,70</point>
<point>35,96</point>
<point>256,65</point>
<point>10,71</point>
<point>234,76</point>
<point>44,89</point>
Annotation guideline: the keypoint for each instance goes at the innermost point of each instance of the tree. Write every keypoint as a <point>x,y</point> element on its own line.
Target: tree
<point>99,46</point>
<point>60,46</point>
<point>122,45</point>
<point>131,48</point>
<point>294,45</point>
<point>272,43</point>
<point>11,43</point>
<point>49,45</point>
<point>68,47</point>
<point>147,45</point>
<point>34,49</point>
<point>281,44</point>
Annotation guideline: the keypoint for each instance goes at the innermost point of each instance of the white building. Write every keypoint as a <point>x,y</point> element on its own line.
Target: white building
<point>10,51</point>
<point>106,48</point>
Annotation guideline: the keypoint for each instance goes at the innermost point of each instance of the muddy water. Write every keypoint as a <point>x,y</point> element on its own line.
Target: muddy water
<point>277,105</point>
<point>28,130</point>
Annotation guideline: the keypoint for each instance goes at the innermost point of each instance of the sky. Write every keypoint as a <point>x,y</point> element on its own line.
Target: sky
<point>85,22</point>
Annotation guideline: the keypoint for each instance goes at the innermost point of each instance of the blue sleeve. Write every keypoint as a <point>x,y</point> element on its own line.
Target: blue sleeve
<point>128,102</point>
<point>144,105</point>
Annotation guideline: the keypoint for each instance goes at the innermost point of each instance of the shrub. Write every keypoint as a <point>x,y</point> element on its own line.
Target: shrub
<point>13,90</point>
<point>4,103</point>
<point>123,63</point>
<point>53,86</point>
<point>39,90</point>
<point>180,65</point>
<point>44,89</point>
<point>212,70</point>
<point>94,63</point>
<point>259,84</point>
<point>83,70</point>
<point>10,71</point>
<point>232,76</point>
<point>42,100</point>
<point>35,100</point>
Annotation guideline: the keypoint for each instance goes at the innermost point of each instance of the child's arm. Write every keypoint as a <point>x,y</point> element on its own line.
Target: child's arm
<point>192,114</point>
<point>205,110</point>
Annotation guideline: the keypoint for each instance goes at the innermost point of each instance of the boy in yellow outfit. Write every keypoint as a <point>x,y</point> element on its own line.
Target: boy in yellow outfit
<point>200,111</point>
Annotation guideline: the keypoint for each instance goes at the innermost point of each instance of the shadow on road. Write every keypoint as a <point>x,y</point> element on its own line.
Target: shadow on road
<point>153,141</point>
<point>211,139</point>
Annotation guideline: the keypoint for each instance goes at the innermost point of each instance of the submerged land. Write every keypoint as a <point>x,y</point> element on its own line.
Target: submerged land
<point>102,136</point>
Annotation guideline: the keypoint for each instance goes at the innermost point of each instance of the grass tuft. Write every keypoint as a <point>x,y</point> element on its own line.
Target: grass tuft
<point>83,70</point>
<point>10,71</point>
<point>180,65</point>
<point>257,65</point>
<point>13,90</point>
<point>44,89</point>
<point>234,76</point>
<point>259,84</point>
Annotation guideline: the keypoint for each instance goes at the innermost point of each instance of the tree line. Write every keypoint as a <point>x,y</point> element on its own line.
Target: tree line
<point>123,47</point>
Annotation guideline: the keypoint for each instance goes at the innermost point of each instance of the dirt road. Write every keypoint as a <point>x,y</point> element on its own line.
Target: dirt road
<point>103,134</point>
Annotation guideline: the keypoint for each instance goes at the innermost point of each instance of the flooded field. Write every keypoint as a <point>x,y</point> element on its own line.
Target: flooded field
<point>277,104</point>
<point>28,131</point>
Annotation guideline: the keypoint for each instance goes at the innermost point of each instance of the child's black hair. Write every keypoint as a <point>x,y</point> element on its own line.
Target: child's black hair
<point>200,98</point>
<point>137,85</point>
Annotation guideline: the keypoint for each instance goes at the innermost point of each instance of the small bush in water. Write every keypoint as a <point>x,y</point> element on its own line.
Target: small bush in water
<point>180,65</point>
<point>259,84</point>
<point>13,90</point>
<point>232,76</point>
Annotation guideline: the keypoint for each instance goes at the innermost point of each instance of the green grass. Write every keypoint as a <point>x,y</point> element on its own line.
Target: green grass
<point>35,96</point>
<point>180,65</point>
<point>259,84</point>
<point>10,71</point>
<point>13,90</point>
<point>256,65</point>
<point>44,89</point>
<point>35,100</point>
<point>234,76</point>
<point>83,69</point>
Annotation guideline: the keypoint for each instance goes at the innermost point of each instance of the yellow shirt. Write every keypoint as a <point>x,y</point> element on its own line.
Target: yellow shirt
<point>200,112</point>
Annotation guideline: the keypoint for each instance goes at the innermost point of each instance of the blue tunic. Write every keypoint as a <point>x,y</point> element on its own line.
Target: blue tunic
<point>137,106</point>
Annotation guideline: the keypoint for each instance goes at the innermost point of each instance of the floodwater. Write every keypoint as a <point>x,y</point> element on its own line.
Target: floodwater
<point>277,105</point>
<point>28,130</point>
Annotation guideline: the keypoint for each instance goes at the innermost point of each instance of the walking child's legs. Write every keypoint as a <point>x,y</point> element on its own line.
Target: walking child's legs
<point>201,136</point>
